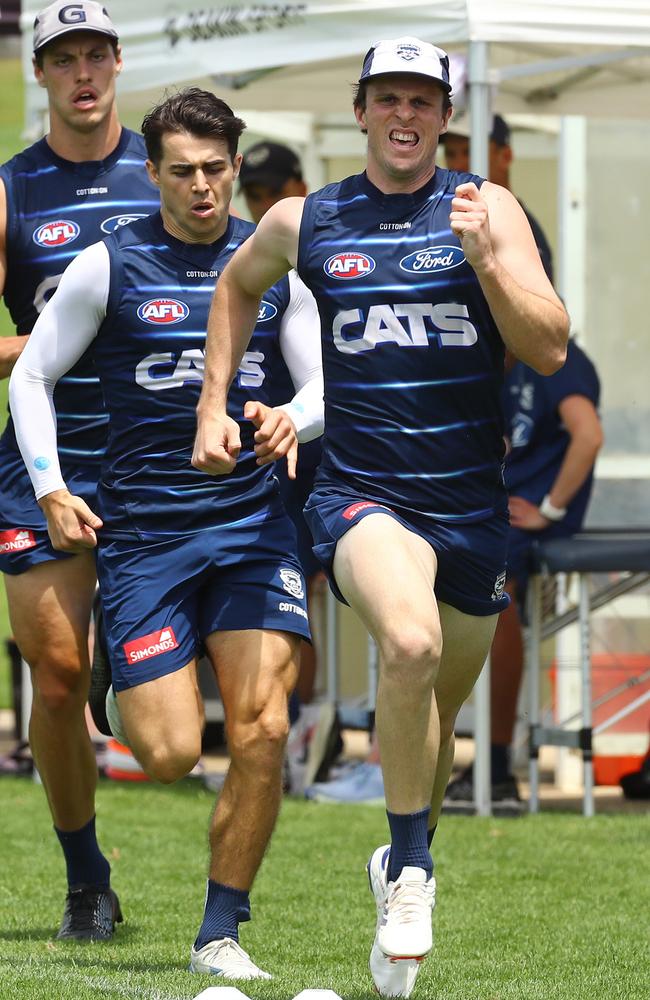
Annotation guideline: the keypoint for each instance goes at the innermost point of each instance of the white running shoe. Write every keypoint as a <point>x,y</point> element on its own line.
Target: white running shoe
<point>402,940</point>
<point>227,959</point>
<point>115,719</point>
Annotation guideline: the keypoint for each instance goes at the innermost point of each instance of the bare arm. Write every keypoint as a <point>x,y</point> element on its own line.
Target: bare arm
<point>499,244</point>
<point>10,347</point>
<point>581,420</point>
<point>261,261</point>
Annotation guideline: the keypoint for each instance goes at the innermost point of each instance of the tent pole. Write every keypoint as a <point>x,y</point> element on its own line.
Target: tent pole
<point>480,113</point>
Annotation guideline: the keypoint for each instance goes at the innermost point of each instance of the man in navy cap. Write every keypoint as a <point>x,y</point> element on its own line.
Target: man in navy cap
<point>422,277</point>
<point>269,172</point>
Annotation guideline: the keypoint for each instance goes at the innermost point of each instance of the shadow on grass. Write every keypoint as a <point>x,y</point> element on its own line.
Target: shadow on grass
<point>77,955</point>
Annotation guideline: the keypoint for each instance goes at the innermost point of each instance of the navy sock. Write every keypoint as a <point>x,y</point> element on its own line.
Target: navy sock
<point>431,834</point>
<point>85,863</point>
<point>408,842</point>
<point>225,908</point>
<point>499,762</point>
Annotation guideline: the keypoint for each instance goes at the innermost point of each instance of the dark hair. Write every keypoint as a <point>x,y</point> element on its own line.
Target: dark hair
<point>360,91</point>
<point>38,55</point>
<point>192,110</point>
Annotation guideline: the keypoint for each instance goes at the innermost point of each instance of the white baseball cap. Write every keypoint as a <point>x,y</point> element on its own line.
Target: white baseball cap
<point>407,55</point>
<point>62,17</point>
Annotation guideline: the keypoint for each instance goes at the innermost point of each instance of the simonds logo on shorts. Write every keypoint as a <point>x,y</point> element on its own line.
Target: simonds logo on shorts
<point>16,539</point>
<point>356,508</point>
<point>150,645</point>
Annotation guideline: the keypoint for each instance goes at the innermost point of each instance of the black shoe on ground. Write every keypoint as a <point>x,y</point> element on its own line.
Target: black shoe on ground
<point>100,672</point>
<point>637,784</point>
<point>90,914</point>
<point>504,794</point>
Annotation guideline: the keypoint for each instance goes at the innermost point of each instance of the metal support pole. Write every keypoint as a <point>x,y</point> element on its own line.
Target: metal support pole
<point>534,642</point>
<point>482,776</point>
<point>479,105</point>
<point>585,664</point>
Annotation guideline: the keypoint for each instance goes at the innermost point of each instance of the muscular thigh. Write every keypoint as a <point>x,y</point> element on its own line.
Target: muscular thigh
<point>49,609</point>
<point>255,669</point>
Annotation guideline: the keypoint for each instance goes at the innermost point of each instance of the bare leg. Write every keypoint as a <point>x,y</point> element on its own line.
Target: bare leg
<point>49,608</point>
<point>506,669</point>
<point>466,643</point>
<point>387,573</point>
<point>164,719</point>
<point>256,671</point>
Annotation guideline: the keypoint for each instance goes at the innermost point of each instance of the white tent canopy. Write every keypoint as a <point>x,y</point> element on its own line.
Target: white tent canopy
<point>551,57</point>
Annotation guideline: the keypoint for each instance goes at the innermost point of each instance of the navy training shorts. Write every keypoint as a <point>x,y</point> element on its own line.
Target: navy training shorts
<point>161,598</point>
<point>471,556</point>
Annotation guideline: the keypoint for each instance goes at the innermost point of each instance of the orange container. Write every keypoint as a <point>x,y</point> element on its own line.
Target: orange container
<point>609,671</point>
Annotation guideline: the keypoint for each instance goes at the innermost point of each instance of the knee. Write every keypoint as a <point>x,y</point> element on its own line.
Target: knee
<point>412,655</point>
<point>261,741</point>
<point>168,760</point>
<point>60,683</point>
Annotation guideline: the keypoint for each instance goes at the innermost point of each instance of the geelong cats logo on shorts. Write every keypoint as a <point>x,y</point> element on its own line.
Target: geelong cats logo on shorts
<point>292,583</point>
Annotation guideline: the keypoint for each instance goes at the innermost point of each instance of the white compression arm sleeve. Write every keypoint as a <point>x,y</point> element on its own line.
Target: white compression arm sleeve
<point>301,349</point>
<point>63,331</point>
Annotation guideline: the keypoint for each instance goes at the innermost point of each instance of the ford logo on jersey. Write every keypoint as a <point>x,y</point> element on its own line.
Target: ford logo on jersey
<point>432,259</point>
<point>267,312</point>
<point>348,265</point>
<point>56,234</point>
<point>117,221</point>
<point>163,312</point>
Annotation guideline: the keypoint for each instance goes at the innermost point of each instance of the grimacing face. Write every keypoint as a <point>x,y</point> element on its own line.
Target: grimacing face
<point>195,176</point>
<point>79,72</point>
<point>404,118</point>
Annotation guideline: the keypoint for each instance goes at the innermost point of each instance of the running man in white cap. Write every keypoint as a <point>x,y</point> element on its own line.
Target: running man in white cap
<point>422,278</point>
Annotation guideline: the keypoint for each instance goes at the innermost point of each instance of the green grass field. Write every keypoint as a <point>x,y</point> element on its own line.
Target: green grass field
<point>543,907</point>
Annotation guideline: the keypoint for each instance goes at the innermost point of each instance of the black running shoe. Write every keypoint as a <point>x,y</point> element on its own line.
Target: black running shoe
<point>504,794</point>
<point>90,914</point>
<point>100,672</point>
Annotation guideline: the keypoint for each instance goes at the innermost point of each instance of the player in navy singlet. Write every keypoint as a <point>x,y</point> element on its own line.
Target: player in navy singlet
<point>185,558</point>
<point>86,178</point>
<point>420,277</point>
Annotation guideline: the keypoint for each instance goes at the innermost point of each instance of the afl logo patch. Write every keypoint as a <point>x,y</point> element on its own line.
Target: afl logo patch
<point>432,259</point>
<point>163,312</point>
<point>267,312</point>
<point>117,221</point>
<point>349,265</point>
<point>56,234</point>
